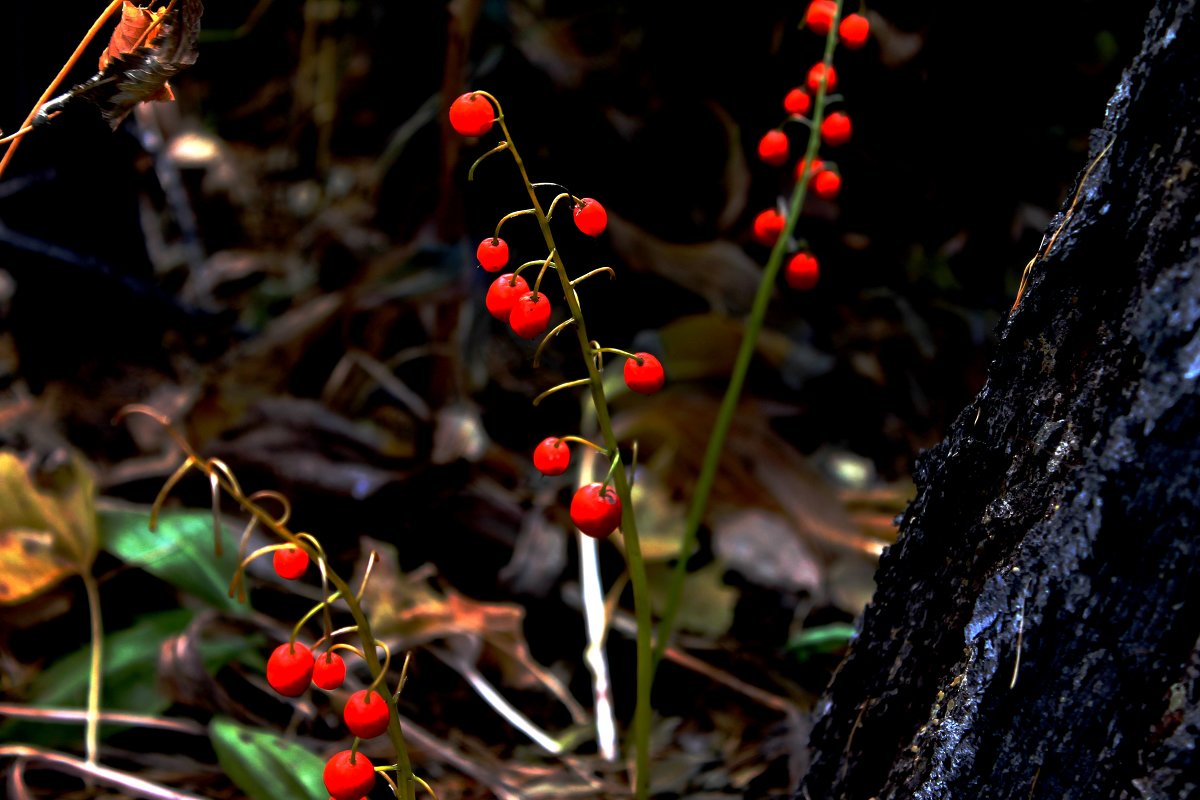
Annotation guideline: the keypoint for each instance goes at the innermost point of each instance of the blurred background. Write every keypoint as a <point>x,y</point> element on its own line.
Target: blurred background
<point>282,261</point>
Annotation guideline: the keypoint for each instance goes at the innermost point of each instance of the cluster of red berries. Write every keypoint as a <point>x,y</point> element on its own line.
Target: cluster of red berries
<point>774,148</point>
<point>292,667</point>
<point>596,508</point>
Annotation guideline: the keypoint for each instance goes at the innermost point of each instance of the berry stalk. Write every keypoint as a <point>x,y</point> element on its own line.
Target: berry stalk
<point>620,482</point>
<point>754,324</point>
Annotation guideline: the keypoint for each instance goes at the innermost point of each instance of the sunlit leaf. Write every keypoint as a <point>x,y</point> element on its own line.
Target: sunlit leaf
<point>180,552</point>
<point>266,766</point>
<point>708,603</point>
<point>45,533</point>
<point>821,639</point>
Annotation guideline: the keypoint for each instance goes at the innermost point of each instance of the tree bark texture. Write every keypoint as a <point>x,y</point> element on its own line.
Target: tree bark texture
<point>1036,628</point>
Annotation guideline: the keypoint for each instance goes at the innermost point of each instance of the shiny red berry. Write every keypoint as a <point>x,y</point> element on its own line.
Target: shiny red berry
<point>814,77</point>
<point>290,669</point>
<point>290,562</point>
<point>854,31</point>
<point>530,315</point>
<point>590,217</point>
<point>552,456</point>
<point>819,16</point>
<point>492,254</point>
<point>827,184</point>
<point>817,166</point>
<point>329,671</point>
<point>646,377</point>
<point>472,114</point>
<point>596,510</point>
<point>503,294</point>
<point>349,776</point>
<point>802,271</point>
<point>767,227</point>
<point>773,148</point>
<point>835,129</point>
<point>366,714</point>
<point>797,102</point>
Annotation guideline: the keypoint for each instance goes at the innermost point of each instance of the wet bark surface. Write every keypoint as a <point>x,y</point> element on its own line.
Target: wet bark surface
<point>1035,631</point>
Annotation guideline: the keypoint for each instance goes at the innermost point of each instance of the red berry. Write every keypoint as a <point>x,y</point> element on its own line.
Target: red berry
<point>814,78</point>
<point>773,148</point>
<point>349,776</point>
<point>503,293</point>
<point>802,271</point>
<point>817,166</point>
<point>329,671</point>
<point>767,227</point>
<point>290,669</point>
<point>472,114</point>
<point>530,315</point>
<point>367,714</point>
<point>797,102</point>
<point>835,129</point>
<point>819,16</point>
<point>596,510</point>
<point>492,254</point>
<point>854,31</point>
<point>646,377</point>
<point>827,184</point>
<point>590,217</point>
<point>290,562</point>
<point>552,456</point>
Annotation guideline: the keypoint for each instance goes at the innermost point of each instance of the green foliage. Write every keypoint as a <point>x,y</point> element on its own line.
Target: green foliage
<point>821,639</point>
<point>266,766</point>
<point>180,552</point>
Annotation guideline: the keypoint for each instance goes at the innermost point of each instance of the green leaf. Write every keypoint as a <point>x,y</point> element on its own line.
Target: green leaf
<point>821,639</point>
<point>180,552</point>
<point>708,602</point>
<point>266,766</point>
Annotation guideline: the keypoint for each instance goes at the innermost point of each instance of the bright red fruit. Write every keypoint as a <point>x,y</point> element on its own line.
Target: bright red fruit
<point>797,102</point>
<point>290,669</point>
<point>817,166</point>
<point>552,456</point>
<point>814,77</point>
<point>503,293</point>
<point>590,217</point>
<point>530,315</point>
<point>773,148</point>
<point>329,671</point>
<point>767,227</point>
<point>854,31</point>
<point>819,16</point>
<point>492,254</point>
<point>596,510</point>
<point>290,562</point>
<point>802,271</point>
<point>366,714</point>
<point>349,776</point>
<point>646,377</point>
<point>471,115</point>
<point>827,184</point>
<point>835,129</point>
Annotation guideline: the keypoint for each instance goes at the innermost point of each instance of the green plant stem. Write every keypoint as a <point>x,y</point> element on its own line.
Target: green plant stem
<point>637,567</point>
<point>729,404</point>
<point>96,672</point>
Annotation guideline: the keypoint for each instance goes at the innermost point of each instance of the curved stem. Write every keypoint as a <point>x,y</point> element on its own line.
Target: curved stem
<point>524,212</point>
<point>537,355</point>
<point>618,352</point>
<point>554,202</point>
<point>637,567</point>
<point>498,148</point>
<point>588,443</point>
<point>729,403</point>
<point>611,275</point>
<point>559,388</point>
<point>550,259</point>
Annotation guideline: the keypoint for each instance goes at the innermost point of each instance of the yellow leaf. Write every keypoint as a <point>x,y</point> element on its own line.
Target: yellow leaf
<point>45,533</point>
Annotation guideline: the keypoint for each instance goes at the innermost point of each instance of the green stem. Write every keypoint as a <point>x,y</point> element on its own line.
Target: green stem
<point>95,675</point>
<point>637,567</point>
<point>729,404</point>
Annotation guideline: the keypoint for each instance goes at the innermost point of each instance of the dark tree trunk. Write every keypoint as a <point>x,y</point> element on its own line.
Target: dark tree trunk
<point>1035,630</point>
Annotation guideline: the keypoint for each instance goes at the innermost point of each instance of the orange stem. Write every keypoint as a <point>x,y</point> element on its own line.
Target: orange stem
<point>62,74</point>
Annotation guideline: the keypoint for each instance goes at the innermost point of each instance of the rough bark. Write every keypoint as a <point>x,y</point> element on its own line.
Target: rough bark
<point>1055,537</point>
